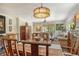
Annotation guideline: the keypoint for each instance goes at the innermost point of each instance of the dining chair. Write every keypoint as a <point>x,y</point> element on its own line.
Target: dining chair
<point>24,51</point>
<point>45,36</point>
<point>76,47</point>
<point>73,48</point>
<point>68,44</point>
<point>10,46</point>
<point>36,36</point>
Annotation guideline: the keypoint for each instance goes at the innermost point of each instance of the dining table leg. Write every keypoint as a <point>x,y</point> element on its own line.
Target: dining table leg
<point>47,50</point>
<point>24,49</point>
<point>34,50</point>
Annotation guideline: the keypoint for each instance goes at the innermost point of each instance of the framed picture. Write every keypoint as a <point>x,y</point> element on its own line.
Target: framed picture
<point>2,24</point>
<point>10,28</point>
<point>37,27</point>
<point>10,21</point>
<point>59,26</point>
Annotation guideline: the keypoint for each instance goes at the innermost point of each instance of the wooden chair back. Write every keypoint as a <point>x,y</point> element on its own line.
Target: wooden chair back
<point>36,36</point>
<point>70,43</point>
<point>45,36</point>
<point>24,52</point>
<point>76,47</point>
<point>73,44</point>
<point>10,46</point>
<point>11,35</point>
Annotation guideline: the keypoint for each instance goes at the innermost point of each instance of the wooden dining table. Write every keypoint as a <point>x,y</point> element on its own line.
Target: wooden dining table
<point>35,46</point>
<point>54,49</point>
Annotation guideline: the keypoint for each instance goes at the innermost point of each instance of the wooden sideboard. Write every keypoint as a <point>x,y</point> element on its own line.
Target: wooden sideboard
<point>24,32</point>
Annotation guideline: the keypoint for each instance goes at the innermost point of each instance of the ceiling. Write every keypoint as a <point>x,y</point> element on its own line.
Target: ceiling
<point>58,11</point>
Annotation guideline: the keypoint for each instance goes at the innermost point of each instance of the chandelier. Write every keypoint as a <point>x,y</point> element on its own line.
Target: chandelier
<point>41,12</point>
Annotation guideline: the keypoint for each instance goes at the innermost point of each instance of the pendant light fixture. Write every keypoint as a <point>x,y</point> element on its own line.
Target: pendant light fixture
<point>41,12</point>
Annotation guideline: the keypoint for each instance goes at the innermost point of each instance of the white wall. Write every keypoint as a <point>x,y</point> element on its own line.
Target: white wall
<point>15,26</point>
<point>67,23</point>
<point>22,21</point>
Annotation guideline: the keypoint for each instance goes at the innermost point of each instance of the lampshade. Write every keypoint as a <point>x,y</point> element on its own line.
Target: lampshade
<point>41,12</point>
